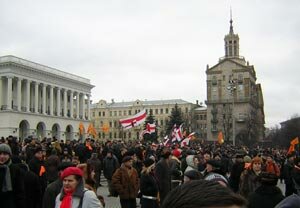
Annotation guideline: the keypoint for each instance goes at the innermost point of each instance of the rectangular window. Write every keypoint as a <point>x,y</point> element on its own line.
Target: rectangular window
<point>110,113</point>
<point>93,114</point>
<point>161,122</point>
<point>161,111</point>
<point>99,114</point>
<point>110,124</point>
<point>186,110</point>
<point>156,111</point>
<point>167,110</point>
<point>110,135</point>
<point>115,124</point>
<point>103,113</point>
<point>125,113</point>
<point>120,113</point>
<point>129,112</point>
<point>115,113</point>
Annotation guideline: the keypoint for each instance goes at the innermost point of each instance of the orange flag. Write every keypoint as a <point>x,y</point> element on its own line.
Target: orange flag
<point>292,146</point>
<point>220,138</point>
<point>91,130</point>
<point>81,128</point>
<point>42,170</point>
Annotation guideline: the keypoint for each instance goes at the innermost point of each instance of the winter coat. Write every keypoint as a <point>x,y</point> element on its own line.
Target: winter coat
<point>51,165</point>
<point>16,197</point>
<point>52,190</point>
<point>292,201</point>
<point>126,185</point>
<point>265,197</point>
<point>272,167</point>
<point>249,183</point>
<point>89,198</point>
<point>296,178</point>
<point>110,165</point>
<point>33,192</point>
<point>235,174</point>
<point>35,166</point>
<point>163,175</point>
<point>149,185</point>
<point>175,169</point>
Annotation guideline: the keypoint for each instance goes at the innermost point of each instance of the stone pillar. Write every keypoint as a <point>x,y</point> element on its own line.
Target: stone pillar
<point>71,104</point>
<point>36,97</point>
<point>77,105</point>
<point>65,102</point>
<point>44,107</point>
<point>19,93</point>
<point>9,92</point>
<point>1,92</point>
<point>58,101</point>
<point>51,100</point>
<point>83,106</point>
<point>27,95</point>
<point>88,107</point>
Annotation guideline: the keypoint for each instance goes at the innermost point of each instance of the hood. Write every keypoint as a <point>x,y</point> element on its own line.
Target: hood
<point>189,160</point>
<point>292,201</point>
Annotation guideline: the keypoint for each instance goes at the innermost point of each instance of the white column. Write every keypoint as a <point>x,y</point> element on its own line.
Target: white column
<point>1,93</point>
<point>77,105</point>
<point>58,101</point>
<point>51,100</point>
<point>83,107</point>
<point>65,103</point>
<point>27,95</point>
<point>88,107</point>
<point>36,97</point>
<point>71,104</point>
<point>9,92</point>
<point>19,93</point>
<point>44,107</point>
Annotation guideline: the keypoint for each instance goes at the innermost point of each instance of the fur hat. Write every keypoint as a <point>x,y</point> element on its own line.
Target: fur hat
<point>71,171</point>
<point>148,162</point>
<point>269,179</point>
<point>5,148</point>
<point>214,163</point>
<point>193,175</point>
<point>126,159</point>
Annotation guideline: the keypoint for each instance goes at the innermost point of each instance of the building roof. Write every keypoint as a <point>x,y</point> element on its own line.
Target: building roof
<point>142,103</point>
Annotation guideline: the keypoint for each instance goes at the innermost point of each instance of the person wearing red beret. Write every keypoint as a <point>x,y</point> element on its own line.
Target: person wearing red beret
<point>73,193</point>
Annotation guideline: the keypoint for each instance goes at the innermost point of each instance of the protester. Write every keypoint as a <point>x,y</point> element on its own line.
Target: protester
<point>175,165</point>
<point>192,175</point>
<point>250,178</point>
<point>203,194</point>
<point>287,174</point>
<point>149,186</point>
<point>268,194</point>
<point>126,182</point>
<point>12,193</point>
<point>110,165</point>
<point>214,172</point>
<point>292,201</point>
<point>73,193</point>
<point>162,172</point>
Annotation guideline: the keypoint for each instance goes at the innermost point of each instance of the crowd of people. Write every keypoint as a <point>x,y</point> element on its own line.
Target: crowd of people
<point>66,174</point>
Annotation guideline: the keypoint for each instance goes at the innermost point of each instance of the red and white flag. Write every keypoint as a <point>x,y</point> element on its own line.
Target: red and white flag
<point>137,119</point>
<point>177,133</point>
<point>186,141</point>
<point>150,128</point>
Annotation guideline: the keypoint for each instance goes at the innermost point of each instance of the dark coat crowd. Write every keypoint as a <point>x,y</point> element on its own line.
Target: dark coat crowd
<point>30,170</point>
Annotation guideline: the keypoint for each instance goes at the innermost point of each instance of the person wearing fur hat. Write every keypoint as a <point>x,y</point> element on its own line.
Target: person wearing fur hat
<point>214,172</point>
<point>268,195</point>
<point>12,194</point>
<point>249,179</point>
<point>176,172</point>
<point>162,172</point>
<point>126,182</point>
<point>73,193</point>
<point>149,186</point>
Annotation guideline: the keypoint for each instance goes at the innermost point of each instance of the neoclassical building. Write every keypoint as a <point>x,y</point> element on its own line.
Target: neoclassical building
<point>234,100</point>
<point>105,116</point>
<point>41,101</point>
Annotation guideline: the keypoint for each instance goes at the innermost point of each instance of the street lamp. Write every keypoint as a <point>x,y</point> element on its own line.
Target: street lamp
<point>232,87</point>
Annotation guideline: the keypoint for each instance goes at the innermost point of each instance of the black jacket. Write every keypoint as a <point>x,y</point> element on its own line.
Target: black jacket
<point>33,191</point>
<point>16,197</point>
<point>163,174</point>
<point>148,185</point>
<point>265,197</point>
<point>52,190</point>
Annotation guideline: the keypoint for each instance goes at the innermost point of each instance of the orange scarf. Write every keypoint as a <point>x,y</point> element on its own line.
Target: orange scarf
<point>67,200</point>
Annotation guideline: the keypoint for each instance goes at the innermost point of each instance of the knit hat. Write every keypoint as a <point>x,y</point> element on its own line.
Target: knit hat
<point>148,162</point>
<point>71,171</point>
<point>126,159</point>
<point>268,179</point>
<point>176,153</point>
<point>5,148</point>
<point>247,159</point>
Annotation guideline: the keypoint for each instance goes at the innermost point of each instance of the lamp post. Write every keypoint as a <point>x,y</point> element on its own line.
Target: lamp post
<point>232,87</point>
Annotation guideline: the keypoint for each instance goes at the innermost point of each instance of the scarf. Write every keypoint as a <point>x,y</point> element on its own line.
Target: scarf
<point>67,200</point>
<point>6,186</point>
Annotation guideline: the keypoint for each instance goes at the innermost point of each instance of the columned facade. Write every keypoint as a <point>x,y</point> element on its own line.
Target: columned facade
<point>31,90</point>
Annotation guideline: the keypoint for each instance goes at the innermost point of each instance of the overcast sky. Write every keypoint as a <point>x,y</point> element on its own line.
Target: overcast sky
<point>158,49</point>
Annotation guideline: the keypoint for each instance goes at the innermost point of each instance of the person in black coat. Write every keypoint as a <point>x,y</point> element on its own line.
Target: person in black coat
<point>163,173</point>
<point>12,193</point>
<point>268,195</point>
<point>149,186</point>
<point>54,188</point>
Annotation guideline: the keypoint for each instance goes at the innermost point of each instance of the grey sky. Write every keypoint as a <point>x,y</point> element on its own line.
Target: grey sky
<point>158,49</point>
